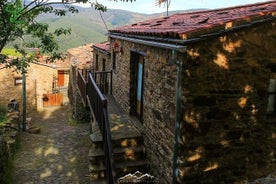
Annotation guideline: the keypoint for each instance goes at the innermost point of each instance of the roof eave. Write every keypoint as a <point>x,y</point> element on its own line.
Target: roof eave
<point>197,38</point>
<point>101,50</point>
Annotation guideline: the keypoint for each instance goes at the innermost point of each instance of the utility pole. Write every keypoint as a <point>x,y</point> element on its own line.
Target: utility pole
<point>23,72</point>
<point>24,106</point>
<point>167,7</point>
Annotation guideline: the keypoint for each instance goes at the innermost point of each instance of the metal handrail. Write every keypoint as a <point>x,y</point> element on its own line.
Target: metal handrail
<point>99,106</point>
<point>104,81</point>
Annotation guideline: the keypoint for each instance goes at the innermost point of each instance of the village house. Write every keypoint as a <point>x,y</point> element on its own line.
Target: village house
<point>101,57</point>
<point>79,58</point>
<point>202,85</point>
<point>46,84</point>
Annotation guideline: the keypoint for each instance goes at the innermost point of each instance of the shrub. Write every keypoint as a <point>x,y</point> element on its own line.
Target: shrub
<point>3,113</point>
<point>10,52</point>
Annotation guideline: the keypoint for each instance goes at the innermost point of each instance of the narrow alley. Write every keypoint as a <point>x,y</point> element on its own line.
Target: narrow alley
<point>58,154</point>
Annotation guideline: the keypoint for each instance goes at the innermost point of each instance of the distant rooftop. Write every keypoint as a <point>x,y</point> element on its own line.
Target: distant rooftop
<point>185,26</point>
<point>42,60</point>
<point>81,56</point>
<point>55,64</point>
<point>104,46</point>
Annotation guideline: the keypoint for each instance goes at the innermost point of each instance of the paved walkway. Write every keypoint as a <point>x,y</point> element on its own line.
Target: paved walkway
<point>57,155</point>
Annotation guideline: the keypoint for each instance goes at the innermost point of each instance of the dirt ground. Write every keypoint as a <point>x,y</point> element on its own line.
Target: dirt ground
<point>58,154</point>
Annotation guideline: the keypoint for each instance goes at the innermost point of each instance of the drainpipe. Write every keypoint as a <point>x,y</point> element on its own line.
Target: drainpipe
<point>177,115</point>
<point>175,49</point>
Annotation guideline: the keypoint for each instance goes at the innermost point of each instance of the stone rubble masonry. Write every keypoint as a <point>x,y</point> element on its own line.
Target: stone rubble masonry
<point>79,112</point>
<point>225,133</point>
<point>101,57</point>
<point>8,138</point>
<point>39,81</point>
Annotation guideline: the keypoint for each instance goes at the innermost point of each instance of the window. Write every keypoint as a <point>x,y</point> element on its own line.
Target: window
<point>97,62</point>
<point>17,81</point>
<point>113,60</point>
<point>103,69</point>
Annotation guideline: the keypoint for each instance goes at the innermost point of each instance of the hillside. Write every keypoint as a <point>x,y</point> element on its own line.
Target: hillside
<point>88,27</point>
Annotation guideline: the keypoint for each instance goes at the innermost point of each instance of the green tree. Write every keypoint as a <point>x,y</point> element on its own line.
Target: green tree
<point>18,18</point>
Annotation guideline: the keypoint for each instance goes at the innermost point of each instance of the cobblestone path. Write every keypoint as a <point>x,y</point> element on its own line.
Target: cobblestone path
<point>56,155</point>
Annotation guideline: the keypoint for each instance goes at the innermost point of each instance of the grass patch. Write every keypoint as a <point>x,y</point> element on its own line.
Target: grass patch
<point>73,122</point>
<point>10,52</point>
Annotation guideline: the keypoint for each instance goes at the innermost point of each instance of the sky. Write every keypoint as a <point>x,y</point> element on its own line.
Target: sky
<point>149,6</point>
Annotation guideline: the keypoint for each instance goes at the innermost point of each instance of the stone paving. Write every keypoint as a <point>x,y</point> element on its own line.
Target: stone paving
<point>56,155</point>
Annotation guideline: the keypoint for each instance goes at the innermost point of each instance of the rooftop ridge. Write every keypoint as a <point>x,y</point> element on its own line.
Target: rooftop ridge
<point>184,26</point>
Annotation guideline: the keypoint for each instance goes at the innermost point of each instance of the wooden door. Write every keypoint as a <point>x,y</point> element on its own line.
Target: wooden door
<point>61,78</point>
<point>136,84</point>
<point>50,100</point>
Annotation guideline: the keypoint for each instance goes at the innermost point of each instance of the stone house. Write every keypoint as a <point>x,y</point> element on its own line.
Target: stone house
<point>102,57</point>
<point>46,84</point>
<point>202,85</point>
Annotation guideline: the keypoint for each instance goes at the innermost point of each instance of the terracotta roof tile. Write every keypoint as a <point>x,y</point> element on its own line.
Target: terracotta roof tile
<point>187,25</point>
<point>105,46</point>
<point>81,56</point>
<point>55,64</point>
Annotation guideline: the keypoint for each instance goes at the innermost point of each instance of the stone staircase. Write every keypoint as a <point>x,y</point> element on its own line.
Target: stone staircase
<point>128,148</point>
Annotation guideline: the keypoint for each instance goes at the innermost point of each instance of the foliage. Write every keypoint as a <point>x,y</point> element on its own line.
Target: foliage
<point>11,52</point>
<point>165,2</point>
<point>3,113</point>
<point>18,20</point>
<point>159,2</point>
<point>81,114</point>
<point>8,156</point>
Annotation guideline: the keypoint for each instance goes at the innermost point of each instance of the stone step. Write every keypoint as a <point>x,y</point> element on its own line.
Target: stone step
<point>98,181</point>
<point>124,168</point>
<point>119,139</point>
<point>96,156</point>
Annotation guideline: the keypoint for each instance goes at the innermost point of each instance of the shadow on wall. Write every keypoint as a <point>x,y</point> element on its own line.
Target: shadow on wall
<point>226,136</point>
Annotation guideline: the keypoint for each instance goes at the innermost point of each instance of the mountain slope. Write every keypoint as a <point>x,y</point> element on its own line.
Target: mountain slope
<point>88,27</point>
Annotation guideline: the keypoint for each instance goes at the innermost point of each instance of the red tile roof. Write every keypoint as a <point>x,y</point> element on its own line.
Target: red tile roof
<point>55,64</point>
<point>104,46</point>
<point>189,25</point>
<point>81,56</point>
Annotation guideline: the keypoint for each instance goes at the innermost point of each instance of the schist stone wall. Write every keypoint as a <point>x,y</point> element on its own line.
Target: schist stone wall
<point>39,80</point>
<point>226,135</point>
<point>159,100</point>
<point>101,61</point>
<point>9,134</point>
